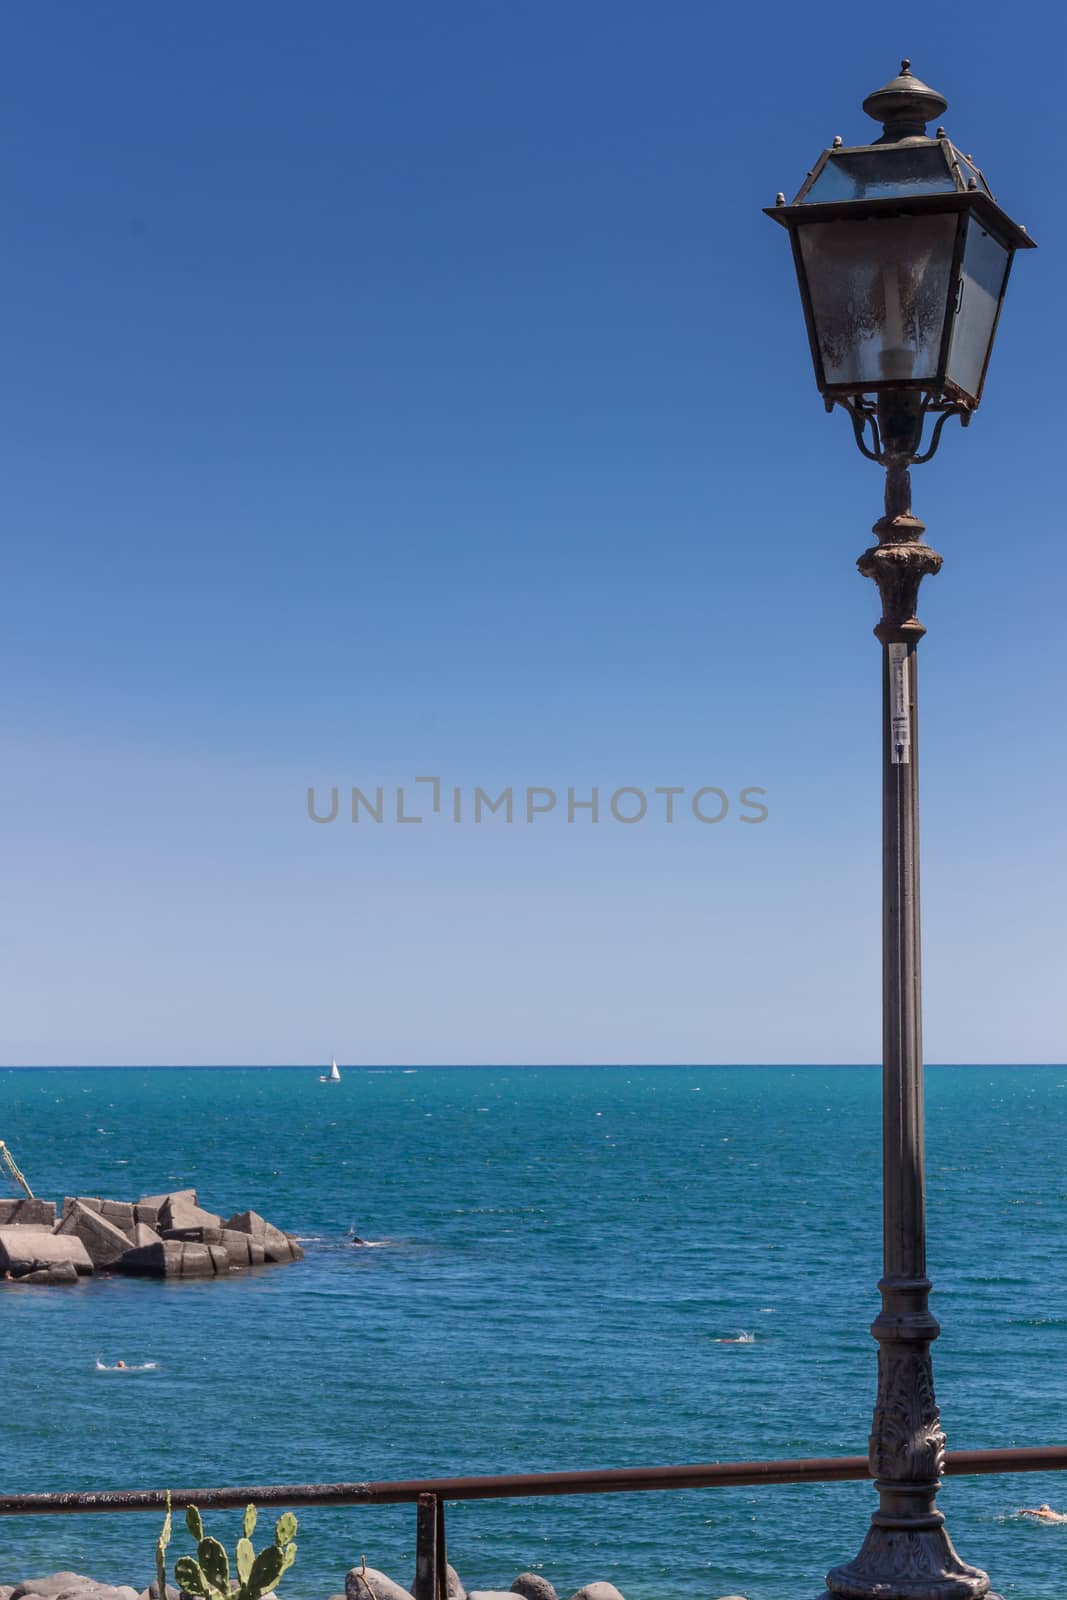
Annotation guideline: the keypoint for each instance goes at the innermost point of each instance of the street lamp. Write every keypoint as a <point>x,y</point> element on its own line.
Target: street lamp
<point>902,255</point>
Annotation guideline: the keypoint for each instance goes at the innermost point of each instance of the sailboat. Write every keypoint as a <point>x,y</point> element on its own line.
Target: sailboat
<point>333,1076</point>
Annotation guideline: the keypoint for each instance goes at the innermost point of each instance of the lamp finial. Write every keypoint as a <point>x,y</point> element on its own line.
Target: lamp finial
<point>904,106</point>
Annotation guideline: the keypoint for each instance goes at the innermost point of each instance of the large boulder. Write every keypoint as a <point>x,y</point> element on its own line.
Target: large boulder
<point>27,1213</point>
<point>168,1258</point>
<point>532,1586</point>
<point>104,1242</point>
<point>220,1258</point>
<point>157,1200</point>
<point>55,1584</point>
<point>597,1591</point>
<point>149,1206</point>
<point>120,1212</point>
<point>141,1234</point>
<point>26,1250</point>
<point>58,1272</point>
<point>182,1219</point>
<point>160,1259</point>
<point>277,1246</point>
<point>366,1583</point>
<point>242,1249</point>
<point>197,1260</point>
<point>98,1591</point>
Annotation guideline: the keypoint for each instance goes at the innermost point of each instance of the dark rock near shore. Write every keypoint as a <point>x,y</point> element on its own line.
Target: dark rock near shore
<point>58,1272</point>
<point>25,1250</point>
<point>372,1585</point>
<point>169,1258</point>
<point>532,1586</point>
<point>162,1259</point>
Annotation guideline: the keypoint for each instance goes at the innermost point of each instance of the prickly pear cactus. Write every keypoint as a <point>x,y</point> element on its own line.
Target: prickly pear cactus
<point>207,1575</point>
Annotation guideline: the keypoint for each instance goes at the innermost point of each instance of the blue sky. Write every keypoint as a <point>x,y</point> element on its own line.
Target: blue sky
<point>418,389</point>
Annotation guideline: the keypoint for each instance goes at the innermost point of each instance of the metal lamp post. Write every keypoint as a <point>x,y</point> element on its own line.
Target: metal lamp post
<point>902,256</point>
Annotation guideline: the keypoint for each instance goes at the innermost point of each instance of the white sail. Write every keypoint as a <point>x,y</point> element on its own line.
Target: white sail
<point>335,1076</point>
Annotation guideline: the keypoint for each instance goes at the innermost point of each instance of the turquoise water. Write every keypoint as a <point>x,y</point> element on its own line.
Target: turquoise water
<point>564,1249</point>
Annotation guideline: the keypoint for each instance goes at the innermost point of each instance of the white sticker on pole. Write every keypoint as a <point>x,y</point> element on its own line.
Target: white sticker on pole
<point>899,705</point>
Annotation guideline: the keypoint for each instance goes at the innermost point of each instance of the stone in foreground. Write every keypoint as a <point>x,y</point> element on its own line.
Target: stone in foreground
<point>370,1584</point>
<point>532,1586</point>
<point>54,1584</point>
<point>597,1591</point>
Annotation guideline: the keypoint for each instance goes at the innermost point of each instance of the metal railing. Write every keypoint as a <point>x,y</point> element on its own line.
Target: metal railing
<point>429,1494</point>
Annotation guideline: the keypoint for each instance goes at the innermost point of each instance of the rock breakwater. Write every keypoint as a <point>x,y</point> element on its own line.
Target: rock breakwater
<point>160,1236</point>
<point>361,1583</point>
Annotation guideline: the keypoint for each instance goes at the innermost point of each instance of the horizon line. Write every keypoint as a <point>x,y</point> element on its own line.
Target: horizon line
<point>501,1066</point>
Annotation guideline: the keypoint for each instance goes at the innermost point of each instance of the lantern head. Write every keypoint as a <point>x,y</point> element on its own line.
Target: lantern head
<point>902,256</point>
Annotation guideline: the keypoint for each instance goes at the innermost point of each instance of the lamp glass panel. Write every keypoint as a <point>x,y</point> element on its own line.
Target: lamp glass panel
<point>985,261</point>
<point>879,174</point>
<point>879,295</point>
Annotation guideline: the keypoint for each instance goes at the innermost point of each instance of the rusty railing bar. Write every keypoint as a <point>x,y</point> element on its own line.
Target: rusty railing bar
<point>619,1480</point>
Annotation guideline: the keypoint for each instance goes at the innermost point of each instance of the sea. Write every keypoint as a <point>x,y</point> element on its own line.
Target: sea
<point>564,1268</point>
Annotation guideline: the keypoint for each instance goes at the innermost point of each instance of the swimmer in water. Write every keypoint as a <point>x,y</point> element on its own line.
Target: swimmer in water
<point>1044,1512</point>
<point>120,1366</point>
<point>354,1237</point>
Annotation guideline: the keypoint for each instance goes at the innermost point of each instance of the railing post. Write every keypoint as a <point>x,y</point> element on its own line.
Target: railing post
<point>430,1561</point>
<point>442,1554</point>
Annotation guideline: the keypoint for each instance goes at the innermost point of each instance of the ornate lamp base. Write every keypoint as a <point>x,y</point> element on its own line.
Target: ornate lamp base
<point>899,1563</point>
